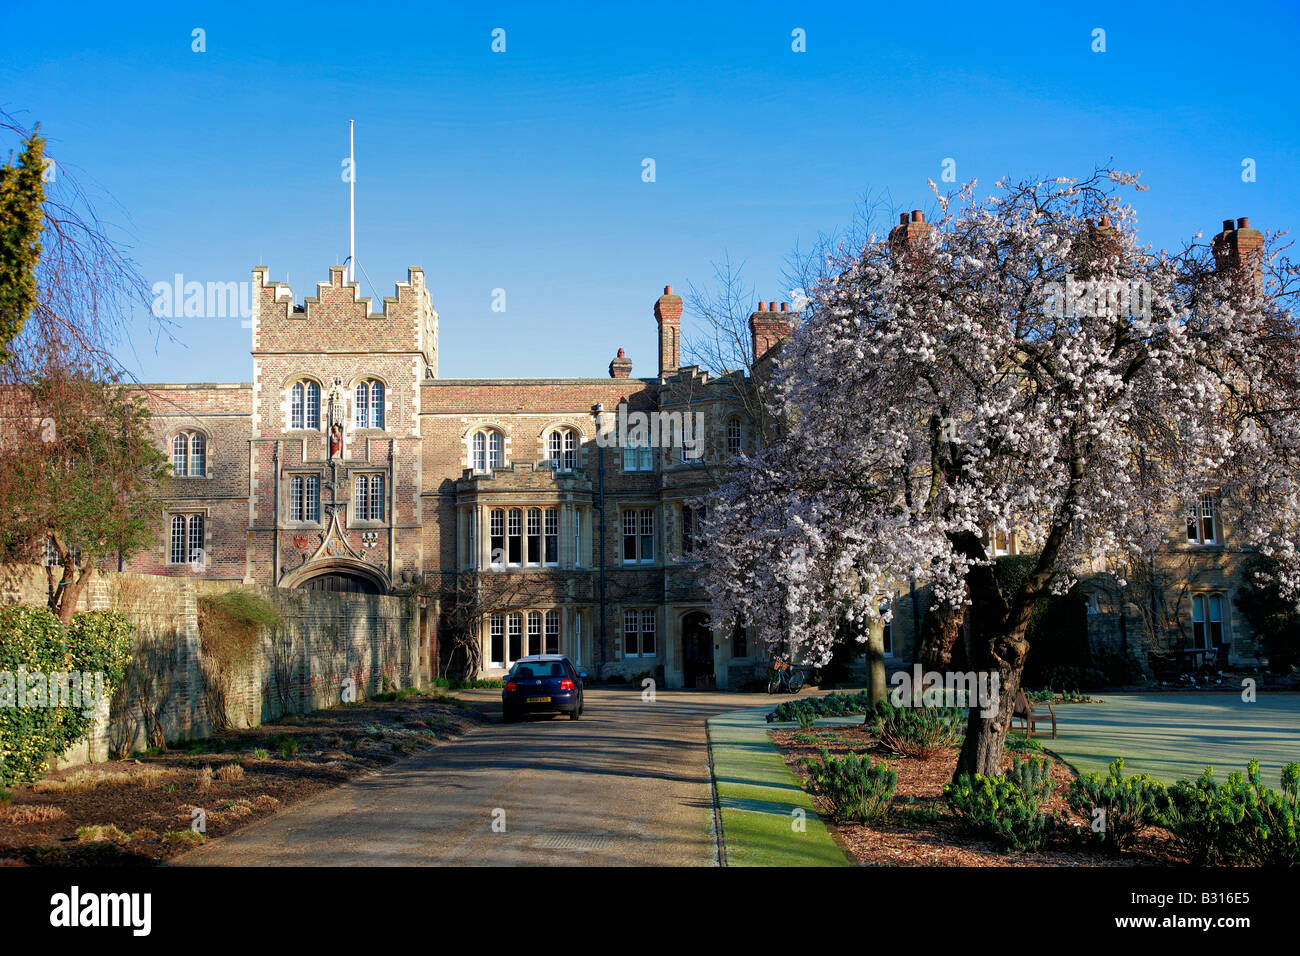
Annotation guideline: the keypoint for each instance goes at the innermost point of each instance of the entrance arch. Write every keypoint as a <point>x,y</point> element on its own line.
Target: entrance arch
<point>697,651</point>
<point>340,577</point>
<point>345,582</point>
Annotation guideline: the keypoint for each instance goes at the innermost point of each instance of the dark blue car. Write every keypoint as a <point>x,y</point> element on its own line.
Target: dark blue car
<point>542,684</point>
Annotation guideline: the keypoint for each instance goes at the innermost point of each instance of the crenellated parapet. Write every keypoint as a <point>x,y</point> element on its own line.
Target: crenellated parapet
<point>338,318</point>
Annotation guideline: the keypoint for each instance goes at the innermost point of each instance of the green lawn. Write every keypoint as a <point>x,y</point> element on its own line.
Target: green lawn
<point>1178,735</point>
<point>758,796</point>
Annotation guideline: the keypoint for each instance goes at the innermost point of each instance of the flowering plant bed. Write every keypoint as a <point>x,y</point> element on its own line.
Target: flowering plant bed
<point>920,829</point>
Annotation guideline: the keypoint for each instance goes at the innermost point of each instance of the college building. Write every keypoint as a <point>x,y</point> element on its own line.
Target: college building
<point>538,515</point>
<point>529,515</point>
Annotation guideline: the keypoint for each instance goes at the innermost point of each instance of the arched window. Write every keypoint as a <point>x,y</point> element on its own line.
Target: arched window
<point>189,455</point>
<point>485,450</point>
<point>370,404</point>
<point>516,647</point>
<point>304,405</point>
<point>562,448</point>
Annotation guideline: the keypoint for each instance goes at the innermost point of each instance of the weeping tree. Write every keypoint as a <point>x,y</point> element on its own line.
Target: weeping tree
<point>1022,365</point>
<point>77,455</point>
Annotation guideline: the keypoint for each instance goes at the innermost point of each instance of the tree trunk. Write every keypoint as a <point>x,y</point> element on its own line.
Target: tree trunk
<point>876,689</point>
<point>986,736</point>
<point>939,633</point>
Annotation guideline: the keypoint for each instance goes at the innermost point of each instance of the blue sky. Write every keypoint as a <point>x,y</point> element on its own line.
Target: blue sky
<point>522,170</point>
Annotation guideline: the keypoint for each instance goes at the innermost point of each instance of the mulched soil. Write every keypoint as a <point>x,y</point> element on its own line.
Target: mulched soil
<point>921,830</point>
<point>150,800</point>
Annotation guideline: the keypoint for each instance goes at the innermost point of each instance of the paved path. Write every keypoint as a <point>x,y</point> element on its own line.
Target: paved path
<point>1178,735</point>
<point>628,784</point>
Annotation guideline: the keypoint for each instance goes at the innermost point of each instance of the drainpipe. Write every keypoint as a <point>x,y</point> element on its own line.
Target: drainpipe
<point>275,515</point>
<point>600,507</point>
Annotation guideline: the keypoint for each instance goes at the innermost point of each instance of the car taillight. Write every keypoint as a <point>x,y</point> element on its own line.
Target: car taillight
<point>566,684</point>
<point>510,687</point>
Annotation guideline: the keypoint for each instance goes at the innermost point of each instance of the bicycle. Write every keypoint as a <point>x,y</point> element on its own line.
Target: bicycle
<point>785,675</point>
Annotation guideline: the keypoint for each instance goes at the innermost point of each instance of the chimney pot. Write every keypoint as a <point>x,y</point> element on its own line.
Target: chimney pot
<point>1243,222</point>
<point>668,290</point>
<point>918,216</point>
<point>902,219</point>
<point>762,307</point>
<point>622,354</point>
<point>771,307</point>
<point>1227,225</point>
<point>785,306</point>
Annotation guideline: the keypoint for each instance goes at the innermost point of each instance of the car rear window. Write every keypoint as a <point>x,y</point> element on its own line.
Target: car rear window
<point>539,669</point>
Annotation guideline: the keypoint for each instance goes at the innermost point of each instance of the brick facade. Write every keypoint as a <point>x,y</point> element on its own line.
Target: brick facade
<point>433,529</point>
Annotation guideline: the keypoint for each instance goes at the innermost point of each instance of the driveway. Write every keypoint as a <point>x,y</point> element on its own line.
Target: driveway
<point>628,784</point>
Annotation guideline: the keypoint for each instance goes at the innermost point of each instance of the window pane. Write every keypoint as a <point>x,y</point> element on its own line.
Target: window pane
<point>178,540</point>
<point>196,539</point>
<point>376,404</point>
<point>198,462</point>
<point>552,632</point>
<point>295,498</point>
<point>647,633</point>
<point>362,405</point>
<point>534,632</point>
<point>311,414</point>
<point>312,507</point>
<point>516,636</point>
<point>497,652</point>
<point>179,449</point>
<point>630,621</point>
<point>295,405</point>
<point>494,450</point>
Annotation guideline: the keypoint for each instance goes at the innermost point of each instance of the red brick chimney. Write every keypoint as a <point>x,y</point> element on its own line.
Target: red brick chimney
<point>1240,250</point>
<point>620,366</point>
<point>910,231</point>
<point>768,326</point>
<point>668,313</point>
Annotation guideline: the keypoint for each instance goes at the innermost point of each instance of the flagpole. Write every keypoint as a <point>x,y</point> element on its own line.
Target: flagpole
<point>352,204</point>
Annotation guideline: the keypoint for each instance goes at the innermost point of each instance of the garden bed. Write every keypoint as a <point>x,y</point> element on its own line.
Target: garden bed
<point>140,811</point>
<point>921,830</point>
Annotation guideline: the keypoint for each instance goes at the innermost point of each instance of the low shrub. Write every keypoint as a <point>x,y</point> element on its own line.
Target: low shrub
<point>1018,744</point>
<point>857,789</point>
<point>1127,805</point>
<point>832,705</point>
<point>917,731</point>
<point>36,642</point>
<point>1006,808</point>
<point>1239,822</point>
<point>230,773</point>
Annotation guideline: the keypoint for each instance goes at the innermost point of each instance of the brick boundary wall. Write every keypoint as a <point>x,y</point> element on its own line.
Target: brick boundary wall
<point>301,665</point>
